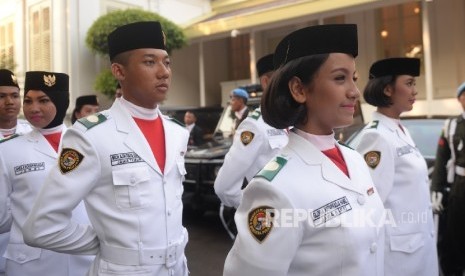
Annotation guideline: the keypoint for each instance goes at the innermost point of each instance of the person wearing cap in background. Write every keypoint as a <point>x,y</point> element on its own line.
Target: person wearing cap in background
<point>10,105</point>
<point>301,214</point>
<point>46,98</point>
<point>127,163</point>
<point>85,106</point>
<point>238,104</point>
<point>448,186</point>
<point>398,169</point>
<point>254,144</point>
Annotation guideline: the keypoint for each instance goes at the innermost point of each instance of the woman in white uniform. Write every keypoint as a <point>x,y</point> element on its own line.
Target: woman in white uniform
<point>25,161</point>
<point>398,169</point>
<point>313,210</point>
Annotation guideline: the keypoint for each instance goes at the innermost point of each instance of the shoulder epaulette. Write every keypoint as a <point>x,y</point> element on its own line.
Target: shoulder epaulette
<point>176,121</point>
<point>9,138</point>
<point>92,120</point>
<point>255,114</point>
<point>342,144</point>
<point>374,124</point>
<point>272,168</point>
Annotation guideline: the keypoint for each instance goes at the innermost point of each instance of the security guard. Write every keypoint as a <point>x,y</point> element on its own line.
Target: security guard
<point>398,169</point>
<point>127,164</point>
<point>313,210</point>
<point>254,144</point>
<point>239,107</point>
<point>10,105</point>
<point>449,170</point>
<point>46,99</point>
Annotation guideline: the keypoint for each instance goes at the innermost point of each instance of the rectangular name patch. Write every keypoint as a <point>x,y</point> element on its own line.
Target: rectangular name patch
<point>125,158</point>
<point>331,210</point>
<point>32,167</point>
<point>404,150</point>
<point>275,132</point>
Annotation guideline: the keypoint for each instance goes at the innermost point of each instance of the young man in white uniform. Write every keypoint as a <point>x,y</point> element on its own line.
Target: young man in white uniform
<point>127,164</point>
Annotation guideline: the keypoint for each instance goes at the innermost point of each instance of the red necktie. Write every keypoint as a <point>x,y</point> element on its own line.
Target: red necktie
<point>54,140</point>
<point>401,128</point>
<point>336,156</point>
<point>155,136</point>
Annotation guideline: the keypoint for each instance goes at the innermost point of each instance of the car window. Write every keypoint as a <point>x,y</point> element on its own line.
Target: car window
<point>425,133</point>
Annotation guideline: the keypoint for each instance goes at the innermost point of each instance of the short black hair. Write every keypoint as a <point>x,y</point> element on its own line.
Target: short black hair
<point>374,91</point>
<point>278,107</point>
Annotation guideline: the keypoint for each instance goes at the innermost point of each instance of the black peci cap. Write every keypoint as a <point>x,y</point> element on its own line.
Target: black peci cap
<point>265,65</point>
<point>138,35</point>
<point>87,99</point>
<point>55,86</point>
<point>395,67</point>
<point>7,78</point>
<point>48,82</point>
<point>319,39</point>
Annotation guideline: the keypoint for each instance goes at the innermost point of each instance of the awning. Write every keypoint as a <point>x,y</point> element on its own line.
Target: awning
<point>273,12</point>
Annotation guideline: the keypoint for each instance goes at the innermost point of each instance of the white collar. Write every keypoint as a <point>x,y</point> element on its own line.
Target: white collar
<point>138,111</point>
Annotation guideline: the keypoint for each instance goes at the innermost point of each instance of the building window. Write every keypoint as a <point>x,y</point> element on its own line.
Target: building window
<point>39,37</point>
<point>7,45</point>
<point>400,30</point>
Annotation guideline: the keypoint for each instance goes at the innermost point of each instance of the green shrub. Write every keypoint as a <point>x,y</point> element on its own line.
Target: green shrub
<point>96,39</point>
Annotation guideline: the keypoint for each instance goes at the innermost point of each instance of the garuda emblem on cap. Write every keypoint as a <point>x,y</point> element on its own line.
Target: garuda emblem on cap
<point>49,80</point>
<point>14,79</point>
<point>164,38</point>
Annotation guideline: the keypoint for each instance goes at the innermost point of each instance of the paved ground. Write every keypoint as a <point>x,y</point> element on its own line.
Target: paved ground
<point>208,245</point>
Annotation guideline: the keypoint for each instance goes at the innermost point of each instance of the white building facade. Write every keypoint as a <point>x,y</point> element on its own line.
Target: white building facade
<point>226,37</point>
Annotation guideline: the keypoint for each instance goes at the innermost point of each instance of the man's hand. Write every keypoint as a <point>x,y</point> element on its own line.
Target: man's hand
<point>436,201</point>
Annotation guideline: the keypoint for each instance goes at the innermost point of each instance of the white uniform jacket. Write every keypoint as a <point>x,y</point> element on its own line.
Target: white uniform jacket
<point>22,127</point>
<point>254,144</point>
<point>24,164</point>
<point>135,210</point>
<point>400,174</point>
<point>324,223</point>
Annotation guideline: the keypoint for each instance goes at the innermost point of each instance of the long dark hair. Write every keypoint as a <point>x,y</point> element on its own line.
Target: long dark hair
<point>278,107</point>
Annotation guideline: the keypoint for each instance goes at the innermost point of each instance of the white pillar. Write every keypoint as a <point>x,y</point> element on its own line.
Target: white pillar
<point>253,58</point>
<point>427,58</point>
<point>201,75</point>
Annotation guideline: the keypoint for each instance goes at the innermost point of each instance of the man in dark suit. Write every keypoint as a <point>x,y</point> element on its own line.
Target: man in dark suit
<point>195,132</point>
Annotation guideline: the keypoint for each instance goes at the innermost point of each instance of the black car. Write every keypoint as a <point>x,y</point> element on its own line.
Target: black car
<point>425,133</point>
<point>204,162</point>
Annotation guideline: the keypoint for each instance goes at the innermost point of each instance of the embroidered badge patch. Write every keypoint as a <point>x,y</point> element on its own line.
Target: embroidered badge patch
<point>260,223</point>
<point>370,191</point>
<point>125,158</point>
<point>331,210</point>
<point>372,158</point>
<point>69,160</point>
<point>247,137</point>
